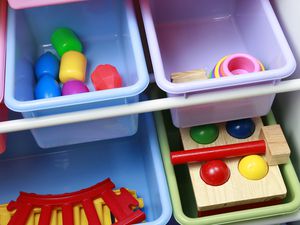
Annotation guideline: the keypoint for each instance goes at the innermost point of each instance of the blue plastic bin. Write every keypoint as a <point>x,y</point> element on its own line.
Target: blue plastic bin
<point>133,162</point>
<point>109,32</point>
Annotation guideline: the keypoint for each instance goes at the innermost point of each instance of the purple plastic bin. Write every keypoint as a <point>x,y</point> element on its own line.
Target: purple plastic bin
<point>194,34</point>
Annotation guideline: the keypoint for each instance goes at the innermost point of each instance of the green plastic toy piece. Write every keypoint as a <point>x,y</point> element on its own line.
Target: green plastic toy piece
<point>64,40</point>
<point>204,134</point>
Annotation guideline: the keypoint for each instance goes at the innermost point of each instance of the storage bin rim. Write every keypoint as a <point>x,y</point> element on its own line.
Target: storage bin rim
<point>214,84</point>
<point>83,98</point>
<point>17,4</point>
<point>162,180</point>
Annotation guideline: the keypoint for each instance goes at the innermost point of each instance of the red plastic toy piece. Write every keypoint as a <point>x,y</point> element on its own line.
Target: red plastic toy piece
<point>219,152</point>
<point>214,172</point>
<point>120,205</point>
<point>106,77</point>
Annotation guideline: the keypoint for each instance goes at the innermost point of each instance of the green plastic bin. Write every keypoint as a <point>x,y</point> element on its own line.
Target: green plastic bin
<point>181,191</point>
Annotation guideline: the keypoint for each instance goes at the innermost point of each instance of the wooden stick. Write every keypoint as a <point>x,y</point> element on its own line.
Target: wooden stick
<point>188,76</point>
<point>218,152</point>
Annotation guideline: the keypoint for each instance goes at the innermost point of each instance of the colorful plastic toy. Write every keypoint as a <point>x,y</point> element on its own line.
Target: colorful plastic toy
<point>240,129</point>
<point>264,178</point>
<point>64,40</point>
<point>236,64</point>
<point>47,64</point>
<point>123,206</point>
<point>204,134</point>
<point>72,67</point>
<point>47,87</point>
<point>106,77</point>
<point>74,87</point>
<point>253,167</point>
<point>215,172</point>
<point>80,218</point>
<point>215,72</point>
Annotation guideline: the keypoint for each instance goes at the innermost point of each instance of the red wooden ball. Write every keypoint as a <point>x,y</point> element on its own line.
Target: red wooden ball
<point>214,172</point>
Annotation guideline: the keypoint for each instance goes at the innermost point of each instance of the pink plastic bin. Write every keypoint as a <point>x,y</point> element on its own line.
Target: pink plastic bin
<point>3,109</point>
<point>21,4</point>
<point>194,34</point>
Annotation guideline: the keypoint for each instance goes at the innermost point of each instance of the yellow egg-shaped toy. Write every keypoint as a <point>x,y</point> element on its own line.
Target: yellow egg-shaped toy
<point>253,167</point>
<point>72,66</point>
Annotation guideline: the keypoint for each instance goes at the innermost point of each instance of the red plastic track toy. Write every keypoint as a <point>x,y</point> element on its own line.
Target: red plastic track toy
<point>120,205</point>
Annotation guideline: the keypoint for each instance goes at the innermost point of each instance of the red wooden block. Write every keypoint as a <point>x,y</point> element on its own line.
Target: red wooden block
<point>106,77</point>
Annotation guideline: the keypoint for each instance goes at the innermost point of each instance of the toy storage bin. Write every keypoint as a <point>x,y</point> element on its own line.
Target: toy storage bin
<point>194,34</point>
<point>109,34</point>
<point>181,190</point>
<point>133,162</point>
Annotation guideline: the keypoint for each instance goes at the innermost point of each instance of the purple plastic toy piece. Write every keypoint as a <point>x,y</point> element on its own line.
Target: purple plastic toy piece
<point>74,87</point>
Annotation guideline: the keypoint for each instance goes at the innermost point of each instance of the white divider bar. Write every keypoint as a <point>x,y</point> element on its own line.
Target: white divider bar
<point>148,106</point>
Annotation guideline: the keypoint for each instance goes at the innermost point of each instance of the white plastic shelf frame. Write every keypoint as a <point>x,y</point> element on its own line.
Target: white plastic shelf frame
<point>287,105</point>
<point>286,110</point>
<point>148,106</point>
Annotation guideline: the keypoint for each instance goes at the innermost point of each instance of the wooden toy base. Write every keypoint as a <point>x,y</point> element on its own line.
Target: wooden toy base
<point>239,207</point>
<point>237,190</point>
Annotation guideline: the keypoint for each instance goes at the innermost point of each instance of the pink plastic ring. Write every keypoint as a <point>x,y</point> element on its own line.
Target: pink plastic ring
<point>239,64</point>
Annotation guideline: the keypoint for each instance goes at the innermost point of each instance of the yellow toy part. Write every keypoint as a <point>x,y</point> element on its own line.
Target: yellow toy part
<point>72,66</point>
<point>253,167</point>
<point>79,214</point>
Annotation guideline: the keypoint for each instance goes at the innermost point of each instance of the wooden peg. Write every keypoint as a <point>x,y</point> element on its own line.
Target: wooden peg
<point>278,151</point>
<point>188,76</point>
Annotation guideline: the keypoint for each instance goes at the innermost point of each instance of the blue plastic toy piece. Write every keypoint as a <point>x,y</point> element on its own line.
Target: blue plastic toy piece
<point>47,64</point>
<point>240,129</point>
<point>47,87</point>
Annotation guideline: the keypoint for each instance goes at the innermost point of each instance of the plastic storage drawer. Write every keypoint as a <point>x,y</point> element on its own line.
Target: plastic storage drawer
<point>109,34</point>
<point>133,162</point>
<point>189,35</point>
<point>181,190</point>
